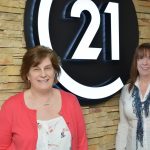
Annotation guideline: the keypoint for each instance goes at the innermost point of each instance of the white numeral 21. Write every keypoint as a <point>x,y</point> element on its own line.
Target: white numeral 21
<point>83,51</point>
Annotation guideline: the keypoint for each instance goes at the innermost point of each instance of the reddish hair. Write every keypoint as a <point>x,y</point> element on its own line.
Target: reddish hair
<point>141,51</point>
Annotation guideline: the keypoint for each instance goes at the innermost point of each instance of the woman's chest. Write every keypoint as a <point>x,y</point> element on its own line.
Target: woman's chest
<point>133,108</point>
<point>24,130</point>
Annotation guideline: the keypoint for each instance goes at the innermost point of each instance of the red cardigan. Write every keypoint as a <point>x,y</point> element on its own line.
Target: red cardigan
<point>18,126</point>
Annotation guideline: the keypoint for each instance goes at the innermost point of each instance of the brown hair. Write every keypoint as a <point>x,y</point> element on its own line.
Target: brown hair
<point>141,51</point>
<point>33,57</point>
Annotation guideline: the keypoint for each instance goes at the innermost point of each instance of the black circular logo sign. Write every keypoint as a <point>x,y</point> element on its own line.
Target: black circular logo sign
<point>94,38</point>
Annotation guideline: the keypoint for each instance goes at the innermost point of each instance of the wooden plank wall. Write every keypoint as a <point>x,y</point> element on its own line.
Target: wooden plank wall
<point>101,119</point>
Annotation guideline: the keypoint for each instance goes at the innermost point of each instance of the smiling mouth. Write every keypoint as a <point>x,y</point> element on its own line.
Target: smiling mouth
<point>43,81</point>
<point>145,68</point>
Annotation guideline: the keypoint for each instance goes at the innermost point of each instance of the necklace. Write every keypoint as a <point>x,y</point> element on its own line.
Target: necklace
<point>38,104</point>
<point>44,104</point>
<point>36,101</point>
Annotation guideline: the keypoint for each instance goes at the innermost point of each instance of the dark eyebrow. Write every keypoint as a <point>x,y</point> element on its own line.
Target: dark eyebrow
<point>34,67</point>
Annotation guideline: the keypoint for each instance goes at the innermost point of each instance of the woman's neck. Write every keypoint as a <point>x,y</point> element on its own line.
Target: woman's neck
<point>144,80</point>
<point>43,96</point>
<point>44,101</point>
<point>143,83</point>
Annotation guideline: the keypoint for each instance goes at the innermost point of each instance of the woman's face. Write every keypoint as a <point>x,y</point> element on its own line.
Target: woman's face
<point>143,66</point>
<point>42,76</point>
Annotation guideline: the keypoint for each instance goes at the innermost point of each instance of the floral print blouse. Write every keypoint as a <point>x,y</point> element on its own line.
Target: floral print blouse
<point>53,134</point>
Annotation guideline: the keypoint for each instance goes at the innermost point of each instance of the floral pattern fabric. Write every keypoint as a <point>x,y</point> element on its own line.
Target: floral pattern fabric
<point>53,134</point>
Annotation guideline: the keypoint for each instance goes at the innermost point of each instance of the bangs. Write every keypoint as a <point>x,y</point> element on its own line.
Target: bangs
<point>143,53</point>
<point>39,58</point>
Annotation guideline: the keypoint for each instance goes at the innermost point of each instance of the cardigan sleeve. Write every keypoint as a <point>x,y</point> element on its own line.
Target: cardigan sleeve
<point>81,129</point>
<point>122,133</point>
<point>5,126</point>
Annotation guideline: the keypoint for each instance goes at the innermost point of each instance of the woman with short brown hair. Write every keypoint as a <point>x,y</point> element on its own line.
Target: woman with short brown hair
<point>42,117</point>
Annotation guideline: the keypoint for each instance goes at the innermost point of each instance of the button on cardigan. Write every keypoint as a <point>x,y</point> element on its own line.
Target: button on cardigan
<point>18,124</point>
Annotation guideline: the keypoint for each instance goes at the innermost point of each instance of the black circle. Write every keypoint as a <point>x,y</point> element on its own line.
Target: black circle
<point>63,31</point>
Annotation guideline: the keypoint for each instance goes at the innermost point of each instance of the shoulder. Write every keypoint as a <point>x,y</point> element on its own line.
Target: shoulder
<point>70,104</point>
<point>125,92</point>
<point>12,100</point>
<point>125,88</point>
<point>69,98</point>
<point>67,95</point>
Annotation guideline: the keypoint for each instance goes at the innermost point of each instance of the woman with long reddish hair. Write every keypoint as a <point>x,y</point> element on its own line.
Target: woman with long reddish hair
<point>134,126</point>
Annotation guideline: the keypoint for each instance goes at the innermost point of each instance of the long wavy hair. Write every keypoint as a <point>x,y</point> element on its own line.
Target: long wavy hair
<point>141,51</point>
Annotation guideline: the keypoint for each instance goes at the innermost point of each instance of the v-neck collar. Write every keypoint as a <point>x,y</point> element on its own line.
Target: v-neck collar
<point>142,98</point>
